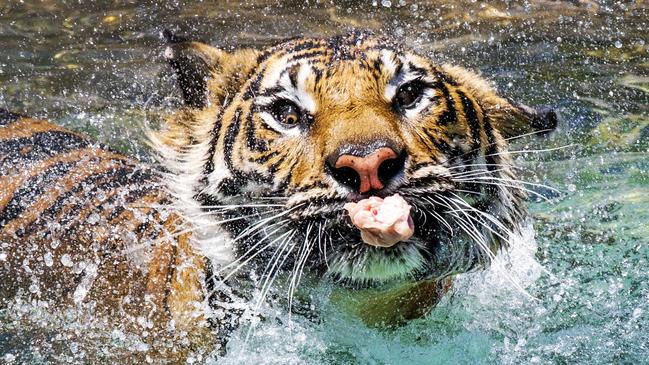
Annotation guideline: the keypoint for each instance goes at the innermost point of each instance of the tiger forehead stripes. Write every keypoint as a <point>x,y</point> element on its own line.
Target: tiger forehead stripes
<point>310,124</point>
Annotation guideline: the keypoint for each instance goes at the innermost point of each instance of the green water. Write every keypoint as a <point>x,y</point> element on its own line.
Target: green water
<point>97,68</point>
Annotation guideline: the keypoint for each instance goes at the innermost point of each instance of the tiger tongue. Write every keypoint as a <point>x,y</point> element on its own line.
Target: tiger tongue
<point>382,222</point>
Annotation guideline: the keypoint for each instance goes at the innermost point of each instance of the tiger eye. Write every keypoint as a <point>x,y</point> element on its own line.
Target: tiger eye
<point>409,94</point>
<point>287,113</point>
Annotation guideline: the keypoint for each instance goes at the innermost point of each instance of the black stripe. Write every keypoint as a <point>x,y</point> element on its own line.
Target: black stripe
<point>449,116</point>
<point>306,55</point>
<point>491,140</point>
<point>271,91</point>
<point>273,168</point>
<point>289,173</point>
<point>31,190</point>
<point>439,143</point>
<point>230,138</point>
<point>444,77</point>
<point>253,88</point>
<point>7,117</point>
<point>229,186</point>
<point>263,56</point>
<point>292,74</point>
<point>318,74</point>
<point>254,143</point>
<point>301,46</point>
<point>38,146</point>
<point>208,168</point>
<point>266,157</point>
<point>113,178</point>
<point>396,59</point>
<point>471,116</point>
<point>417,70</point>
<point>378,64</point>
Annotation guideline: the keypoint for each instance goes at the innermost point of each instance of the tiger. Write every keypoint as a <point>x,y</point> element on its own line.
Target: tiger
<point>249,186</point>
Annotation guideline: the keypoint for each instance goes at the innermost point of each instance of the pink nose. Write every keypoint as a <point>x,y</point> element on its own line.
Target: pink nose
<point>367,167</point>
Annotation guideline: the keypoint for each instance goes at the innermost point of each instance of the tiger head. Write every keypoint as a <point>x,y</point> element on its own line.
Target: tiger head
<point>272,143</point>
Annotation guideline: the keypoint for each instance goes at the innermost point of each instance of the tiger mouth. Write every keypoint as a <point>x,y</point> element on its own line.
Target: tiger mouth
<point>352,262</point>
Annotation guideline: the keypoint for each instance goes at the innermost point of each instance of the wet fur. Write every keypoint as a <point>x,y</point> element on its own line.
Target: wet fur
<point>235,152</point>
<point>221,155</point>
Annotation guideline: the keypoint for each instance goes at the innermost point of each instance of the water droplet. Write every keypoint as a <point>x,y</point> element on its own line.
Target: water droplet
<point>3,256</point>
<point>66,260</point>
<point>386,3</point>
<point>142,347</point>
<point>49,261</point>
<point>33,288</point>
<point>618,44</point>
<point>93,218</point>
<point>572,187</point>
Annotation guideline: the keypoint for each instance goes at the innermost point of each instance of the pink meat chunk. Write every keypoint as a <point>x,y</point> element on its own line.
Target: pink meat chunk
<point>382,222</point>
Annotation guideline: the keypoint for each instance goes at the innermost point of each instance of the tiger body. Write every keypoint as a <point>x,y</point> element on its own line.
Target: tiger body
<point>80,223</point>
<point>253,183</point>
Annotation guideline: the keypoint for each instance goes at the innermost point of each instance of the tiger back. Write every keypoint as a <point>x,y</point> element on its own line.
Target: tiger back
<point>81,224</point>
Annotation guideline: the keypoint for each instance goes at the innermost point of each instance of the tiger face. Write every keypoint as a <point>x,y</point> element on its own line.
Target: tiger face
<point>273,143</point>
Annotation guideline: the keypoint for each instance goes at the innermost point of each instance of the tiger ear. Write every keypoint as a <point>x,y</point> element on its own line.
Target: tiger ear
<point>192,62</point>
<point>509,118</point>
<point>204,73</point>
<point>514,119</point>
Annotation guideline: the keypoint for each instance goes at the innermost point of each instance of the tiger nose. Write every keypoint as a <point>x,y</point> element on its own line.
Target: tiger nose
<point>369,172</point>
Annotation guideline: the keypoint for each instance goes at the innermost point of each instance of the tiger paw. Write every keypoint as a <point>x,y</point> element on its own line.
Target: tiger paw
<point>382,222</point>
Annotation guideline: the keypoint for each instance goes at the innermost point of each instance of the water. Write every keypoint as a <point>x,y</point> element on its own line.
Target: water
<point>97,68</point>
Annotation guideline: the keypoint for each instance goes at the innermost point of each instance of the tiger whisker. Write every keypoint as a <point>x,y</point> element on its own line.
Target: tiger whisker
<point>302,256</point>
<point>511,186</point>
<point>176,234</point>
<point>216,213</point>
<point>469,191</point>
<point>439,217</point>
<point>244,263</point>
<point>455,167</point>
<point>532,151</point>
<point>238,206</point>
<point>495,221</point>
<point>491,144</point>
<point>270,275</point>
<point>246,232</point>
<point>521,182</point>
<point>252,248</point>
<point>481,240</point>
<point>476,173</point>
<point>275,268</point>
<point>320,251</point>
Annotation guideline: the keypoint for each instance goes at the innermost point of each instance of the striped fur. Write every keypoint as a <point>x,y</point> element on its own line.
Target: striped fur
<point>82,224</point>
<point>248,195</point>
<point>231,149</point>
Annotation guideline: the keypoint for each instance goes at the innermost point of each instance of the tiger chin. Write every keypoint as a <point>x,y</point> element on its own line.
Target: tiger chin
<point>252,164</point>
